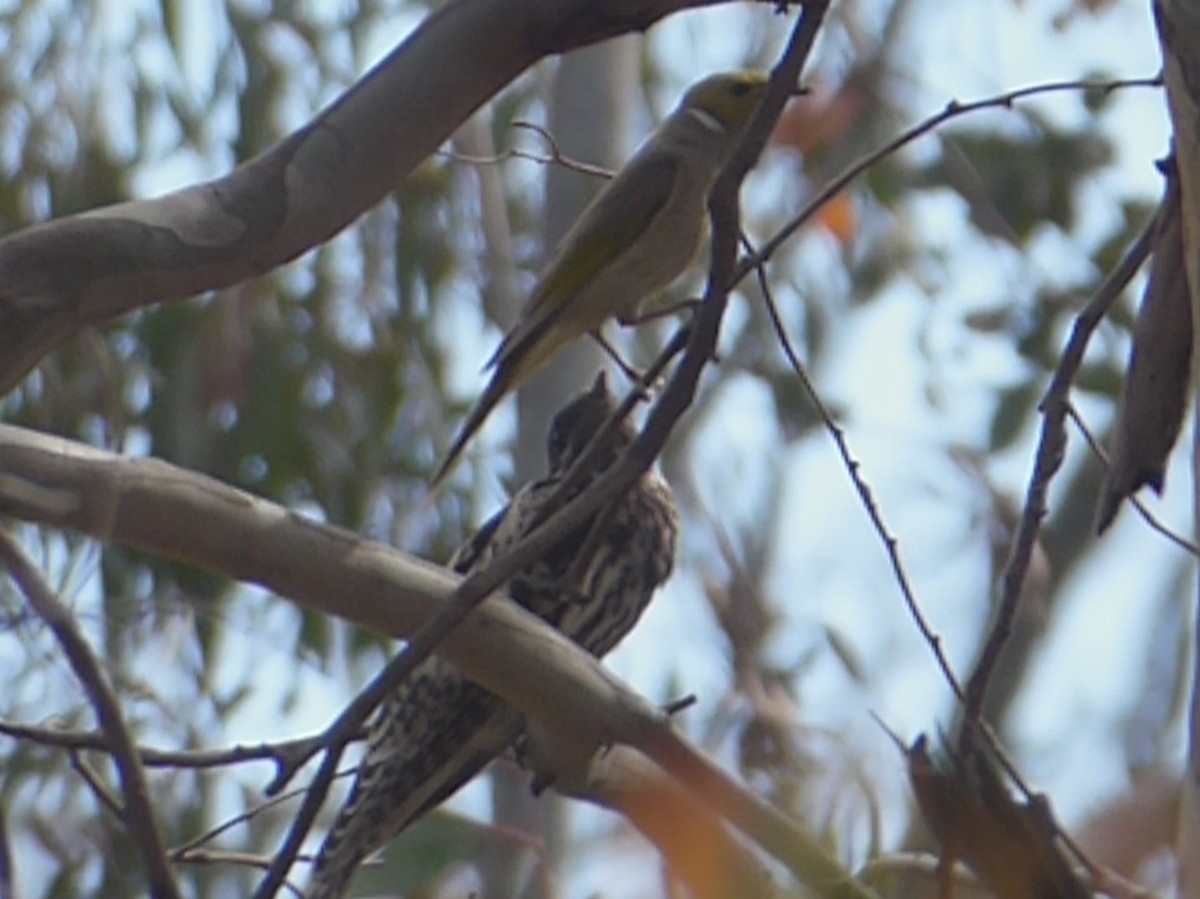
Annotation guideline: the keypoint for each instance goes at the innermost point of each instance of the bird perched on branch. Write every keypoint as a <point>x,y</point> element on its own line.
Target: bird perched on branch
<point>439,729</point>
<point>635,238</point>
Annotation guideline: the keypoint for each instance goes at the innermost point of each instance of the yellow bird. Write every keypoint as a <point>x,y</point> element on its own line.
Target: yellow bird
<point>635,238</point>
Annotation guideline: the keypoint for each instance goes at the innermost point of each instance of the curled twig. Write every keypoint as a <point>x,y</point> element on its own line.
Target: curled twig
<point>555,157</point>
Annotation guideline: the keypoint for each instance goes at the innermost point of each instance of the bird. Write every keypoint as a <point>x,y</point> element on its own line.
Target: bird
<point>439,729</point>
<point>636,236</point>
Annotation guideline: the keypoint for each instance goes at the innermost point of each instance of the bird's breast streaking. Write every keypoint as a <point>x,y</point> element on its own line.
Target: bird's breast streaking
<point>439,729</point>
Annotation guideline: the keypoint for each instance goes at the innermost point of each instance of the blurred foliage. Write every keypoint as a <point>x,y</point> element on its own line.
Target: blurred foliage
<point>324,385</point>
<point>437,845</point>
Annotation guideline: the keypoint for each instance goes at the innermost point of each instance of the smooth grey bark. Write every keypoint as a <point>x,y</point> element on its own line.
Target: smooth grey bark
<point>62,276</point>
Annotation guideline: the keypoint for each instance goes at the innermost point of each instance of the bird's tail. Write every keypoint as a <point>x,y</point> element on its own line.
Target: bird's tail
<point>332,883</point>
<point>334,869</point>
<point>502,381</point>
<point>371,817</point>
<point>516,361</point>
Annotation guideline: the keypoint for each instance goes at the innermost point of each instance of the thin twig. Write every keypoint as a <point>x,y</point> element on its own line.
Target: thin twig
<point>196,842</point>
<point>225,857</point>
<point>139,816</point>
<point>1049,456</point>
<point>555,157</point>
<point>954,109</point>
<point>854,469</point>
<point>105,796</point>
<point>1150,518</point>
<point>280,753</point>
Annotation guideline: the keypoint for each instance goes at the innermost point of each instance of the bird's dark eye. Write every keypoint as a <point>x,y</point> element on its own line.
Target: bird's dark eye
<point>740,88</point>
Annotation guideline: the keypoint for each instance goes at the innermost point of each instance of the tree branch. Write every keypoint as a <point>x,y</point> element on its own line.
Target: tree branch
<point>158,508</point>
<point>284,753</point>
<point>1051,448</point>
<point>685,831</point>
<point>1178,25</point>
<point>176,514</point>
<point>138,813</point>
<point>65,275</point>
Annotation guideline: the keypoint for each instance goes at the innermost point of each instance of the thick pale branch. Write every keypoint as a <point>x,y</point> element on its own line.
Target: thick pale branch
<point>177,514</point>
<point>811,862</point>
<point>694,841</point>
<point>60,277</point>
<point>173,513</point>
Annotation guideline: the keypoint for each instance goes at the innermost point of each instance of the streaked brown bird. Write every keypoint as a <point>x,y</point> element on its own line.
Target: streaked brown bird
<point>439,729</point>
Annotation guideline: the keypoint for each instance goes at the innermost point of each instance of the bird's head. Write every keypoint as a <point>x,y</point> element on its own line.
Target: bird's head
<point>726,102</point>
<point>573,428</point>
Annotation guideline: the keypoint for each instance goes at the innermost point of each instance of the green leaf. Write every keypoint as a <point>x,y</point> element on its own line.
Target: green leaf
<point>1012,415</point>
<point>427,851</point>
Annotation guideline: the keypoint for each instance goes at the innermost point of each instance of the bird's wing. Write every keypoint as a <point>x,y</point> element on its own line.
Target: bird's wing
<point>466,557</point>
<point>431,739</point>
<point>439,729</point>
<point>426,741</point>
<point>602,234</point>
<point>432,735</point>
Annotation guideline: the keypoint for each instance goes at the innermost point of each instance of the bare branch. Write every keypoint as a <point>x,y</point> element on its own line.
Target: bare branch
<point>224,857</point>
<point>1049,456</point>
<point>686,832</point>
<point>138,813</point>
<point>65,275</point>
<point>854,470</point>
<point>96,784</point>
<point>806,857</point>
<point>173,513</point>
<point>954,109</point>
<point>283,753</point>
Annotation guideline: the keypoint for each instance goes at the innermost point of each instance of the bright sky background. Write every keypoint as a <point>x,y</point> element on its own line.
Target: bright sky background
<point>830,569</point>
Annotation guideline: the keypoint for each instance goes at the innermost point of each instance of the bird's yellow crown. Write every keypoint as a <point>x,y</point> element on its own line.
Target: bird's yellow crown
<point>731,98</point>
